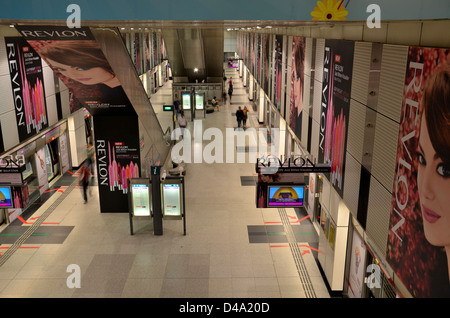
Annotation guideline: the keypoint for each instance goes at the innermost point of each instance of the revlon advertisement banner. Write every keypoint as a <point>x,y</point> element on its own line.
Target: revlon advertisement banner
<point>278,70</point>
<point>297,84</point>
<point>419,238</point>
<point>27,85</point>
<point>266,61</point>
<point>117,159</point>
<point>334,113</point>
<point>77,59</point>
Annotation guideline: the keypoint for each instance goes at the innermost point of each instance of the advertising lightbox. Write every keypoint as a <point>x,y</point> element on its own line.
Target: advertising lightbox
<point>199,101</point>
<point>186,100</point>
<point>5,197</point>
<point>171,195</point>
<point>285,196</point>
<point>141,199</point>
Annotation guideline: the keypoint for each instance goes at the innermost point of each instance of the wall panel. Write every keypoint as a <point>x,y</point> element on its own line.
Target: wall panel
<point>352,180</point>
<point>378,214</point>
<point>361,69</point>
<point>385,151</point>
<point>393,70</point>
<point>356,128</point>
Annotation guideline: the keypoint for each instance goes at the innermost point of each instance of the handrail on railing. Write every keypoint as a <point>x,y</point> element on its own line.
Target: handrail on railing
<point>168,139</point>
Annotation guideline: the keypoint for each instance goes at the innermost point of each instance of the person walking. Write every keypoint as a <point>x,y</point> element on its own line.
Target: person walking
<point>244,118</point>
<point>90,153</point>
<point>83,179</point>
<point>230,92</point>
<point>176,105</point>
<point>182,122</point>
<point>239,116</point>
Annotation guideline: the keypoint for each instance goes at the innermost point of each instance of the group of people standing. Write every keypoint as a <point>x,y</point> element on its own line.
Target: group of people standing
<point>241,116</point>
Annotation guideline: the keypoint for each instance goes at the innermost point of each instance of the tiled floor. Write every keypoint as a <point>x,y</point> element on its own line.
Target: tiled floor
<point>219,257</point>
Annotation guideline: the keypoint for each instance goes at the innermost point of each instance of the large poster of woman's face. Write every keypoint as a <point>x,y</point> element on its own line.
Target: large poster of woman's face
<point>297,79</point>
<point>418,248</point>
<point>77,59</point>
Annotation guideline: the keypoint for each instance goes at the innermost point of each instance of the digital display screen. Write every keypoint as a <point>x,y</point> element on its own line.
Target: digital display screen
<point>198,101</point>
<point>186,101</point>
<point>285,195</point>
<point>172,199</point>
<point>141,199</point>
<point>5,197</point>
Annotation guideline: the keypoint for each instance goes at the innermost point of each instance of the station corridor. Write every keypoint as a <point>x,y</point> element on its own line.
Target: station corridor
<point>231,248</point>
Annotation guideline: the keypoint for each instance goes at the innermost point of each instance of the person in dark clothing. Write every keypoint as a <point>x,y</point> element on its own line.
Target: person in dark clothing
<point>176,105</point>
<point>85,175</point>
<point>230,92</point>
<point>239,116</point>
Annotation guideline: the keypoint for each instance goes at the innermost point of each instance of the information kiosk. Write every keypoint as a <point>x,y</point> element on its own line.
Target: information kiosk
<point>139,199</point>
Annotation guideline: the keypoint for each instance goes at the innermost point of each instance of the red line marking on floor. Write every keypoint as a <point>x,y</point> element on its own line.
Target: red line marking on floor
<point>307,246</point>
<point>25,222</point>
<point>50,190</point>
<point>5,248</point>
<point>279,245</point>
<point>298,221</point>
<point>306,252</point>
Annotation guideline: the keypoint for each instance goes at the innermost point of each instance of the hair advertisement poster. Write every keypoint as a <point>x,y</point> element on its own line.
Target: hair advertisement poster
<point>418,244</point>
<point>334,113</point>
<point>77,59</point>
<point>27,83</point>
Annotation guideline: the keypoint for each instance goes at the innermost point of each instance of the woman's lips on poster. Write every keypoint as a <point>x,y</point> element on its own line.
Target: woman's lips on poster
<point>83,79</point>
<point>430,215</point>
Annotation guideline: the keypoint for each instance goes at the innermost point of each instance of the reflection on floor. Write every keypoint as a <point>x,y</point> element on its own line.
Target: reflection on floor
<point>231,249</point>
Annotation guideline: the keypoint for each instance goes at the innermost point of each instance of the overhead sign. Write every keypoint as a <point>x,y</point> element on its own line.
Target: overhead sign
<point>271,165</point>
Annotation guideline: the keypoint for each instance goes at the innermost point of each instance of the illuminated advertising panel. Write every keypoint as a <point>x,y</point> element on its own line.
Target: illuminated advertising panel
<point>285,195</point>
